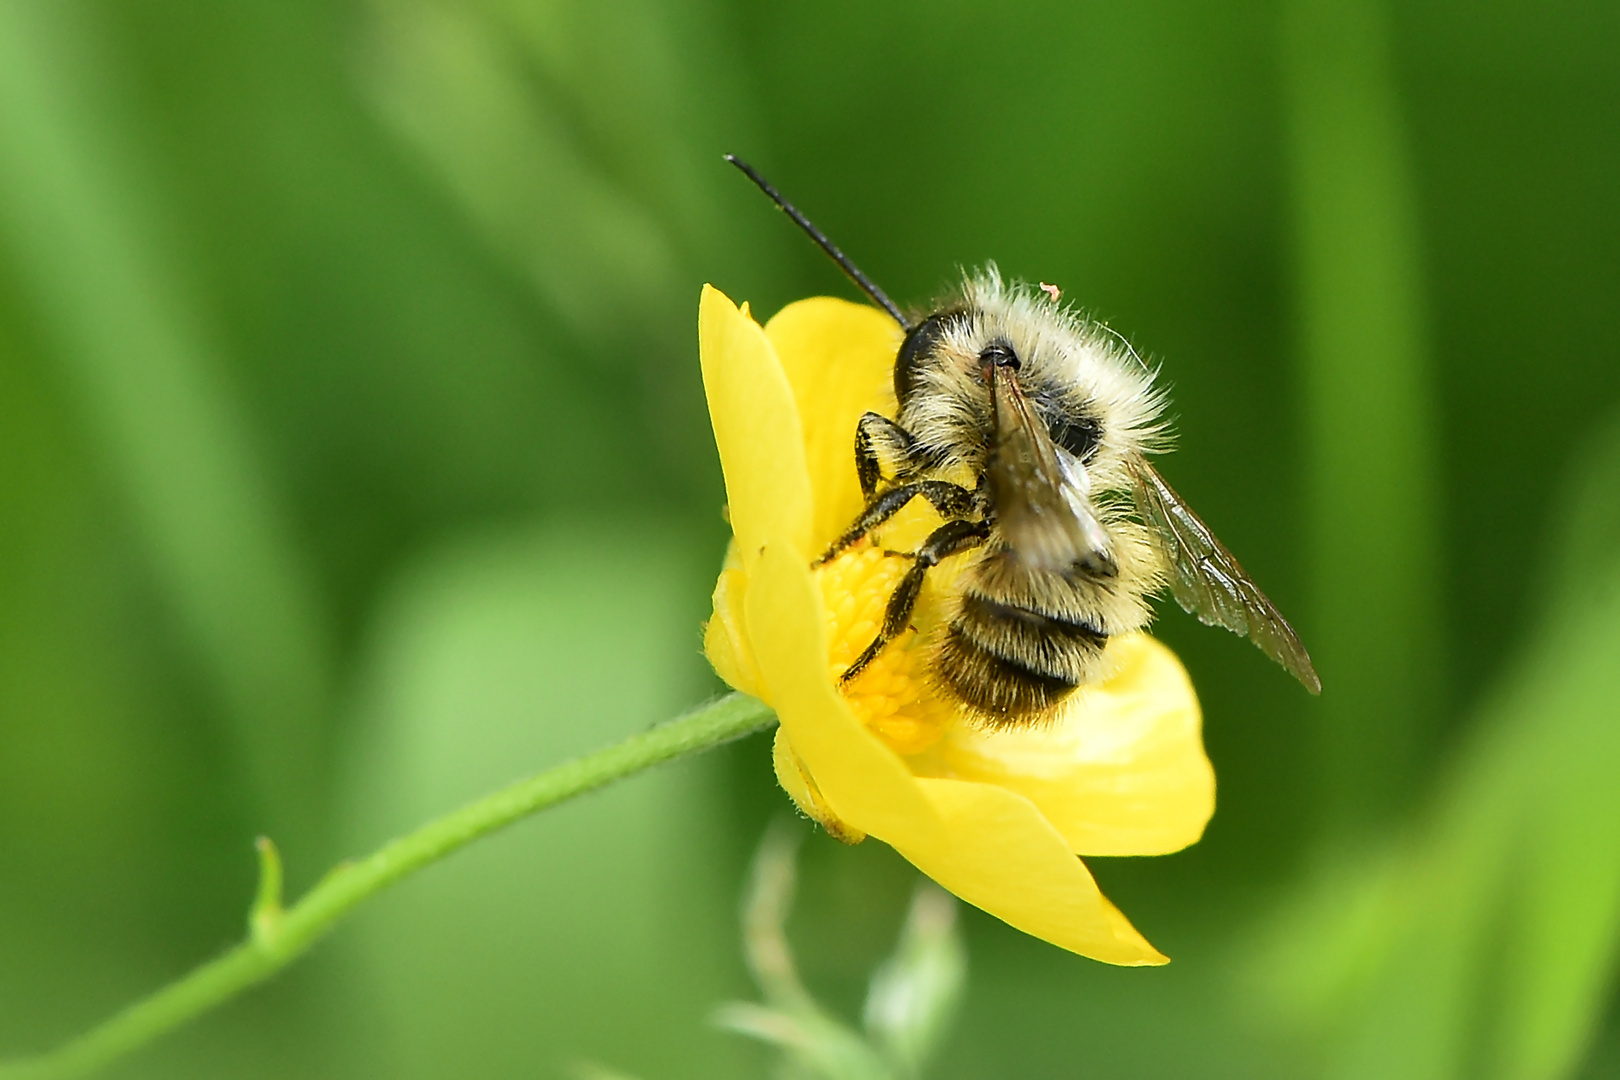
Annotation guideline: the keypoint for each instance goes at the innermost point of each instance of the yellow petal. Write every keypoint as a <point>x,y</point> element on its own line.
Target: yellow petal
<point>839,359</point>
<point>1121,772</point>
<point>864,782</point>
<point>801,787</point>
<point>725,638</point>
<point>756,427</point>
<point>998,852</point>
<point>987,844</point>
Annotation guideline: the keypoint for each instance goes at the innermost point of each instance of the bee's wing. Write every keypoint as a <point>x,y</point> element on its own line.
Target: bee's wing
<point>1208,582</point>
<point>1043,517</point>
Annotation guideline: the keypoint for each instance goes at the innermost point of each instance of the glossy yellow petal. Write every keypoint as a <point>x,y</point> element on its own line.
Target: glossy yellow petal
<point>998,852</point>
<point>756,427</point>
<point>801,787</point>
<point>987,844</point>
<point>839,359</point>
<point>865,783</point>
<point>725,638</point>
<point>1121,772</point>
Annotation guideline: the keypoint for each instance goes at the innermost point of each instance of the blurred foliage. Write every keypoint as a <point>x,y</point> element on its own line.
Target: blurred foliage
<point>1481,943</point>
<point>910,1002</point>
<point>1366,377</point>
<point>351,440</point>
<point>627,893</point>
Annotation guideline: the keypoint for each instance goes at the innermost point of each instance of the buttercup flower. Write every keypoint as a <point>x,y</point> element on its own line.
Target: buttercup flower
<point>997,817</point>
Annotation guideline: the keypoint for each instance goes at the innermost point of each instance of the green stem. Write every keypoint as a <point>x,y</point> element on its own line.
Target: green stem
<point>277,937</point>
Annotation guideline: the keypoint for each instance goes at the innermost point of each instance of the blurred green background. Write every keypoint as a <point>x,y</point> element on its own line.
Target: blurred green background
<point>353,460</point>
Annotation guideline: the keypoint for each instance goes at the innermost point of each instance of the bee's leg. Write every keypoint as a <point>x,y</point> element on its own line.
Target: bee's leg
<point>949,539</point>
<point>951,500</point>
<point>874,434</point>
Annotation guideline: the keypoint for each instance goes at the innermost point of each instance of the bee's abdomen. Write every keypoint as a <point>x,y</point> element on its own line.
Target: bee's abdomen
<point>1011,663</point>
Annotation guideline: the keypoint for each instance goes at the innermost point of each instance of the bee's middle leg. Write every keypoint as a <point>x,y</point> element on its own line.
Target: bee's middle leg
<point>951,500</point>
<point>949,539</point>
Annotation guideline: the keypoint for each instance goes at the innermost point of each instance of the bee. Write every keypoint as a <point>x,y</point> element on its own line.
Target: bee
<point>1028,429</point>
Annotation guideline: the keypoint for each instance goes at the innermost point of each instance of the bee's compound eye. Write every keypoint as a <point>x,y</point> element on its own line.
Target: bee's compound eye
<point>916,350</point>
<point>999,354</point>
<point>1077,433</point>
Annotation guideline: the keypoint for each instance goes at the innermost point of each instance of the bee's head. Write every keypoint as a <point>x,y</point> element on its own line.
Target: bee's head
<point>1097,401</point>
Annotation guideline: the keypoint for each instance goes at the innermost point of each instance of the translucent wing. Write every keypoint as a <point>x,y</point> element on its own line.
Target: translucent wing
<point>1208,582</point>
<point>1042,516</point>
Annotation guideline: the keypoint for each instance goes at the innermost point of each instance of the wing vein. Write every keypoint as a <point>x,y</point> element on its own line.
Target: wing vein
<point>1209,583</point>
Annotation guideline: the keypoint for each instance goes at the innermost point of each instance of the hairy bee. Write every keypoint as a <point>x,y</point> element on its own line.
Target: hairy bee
<point>1065,528</point>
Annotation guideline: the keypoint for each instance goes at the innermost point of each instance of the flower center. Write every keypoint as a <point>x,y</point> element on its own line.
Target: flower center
<point>893,695</point>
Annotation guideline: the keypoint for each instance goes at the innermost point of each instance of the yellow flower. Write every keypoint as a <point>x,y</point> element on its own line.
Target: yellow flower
<point>997,817</point>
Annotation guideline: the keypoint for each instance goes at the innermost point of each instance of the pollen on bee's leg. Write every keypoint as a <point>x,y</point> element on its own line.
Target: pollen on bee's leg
<point>890,696</point>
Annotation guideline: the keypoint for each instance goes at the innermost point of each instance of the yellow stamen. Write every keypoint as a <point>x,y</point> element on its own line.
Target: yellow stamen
<point>892,695</point>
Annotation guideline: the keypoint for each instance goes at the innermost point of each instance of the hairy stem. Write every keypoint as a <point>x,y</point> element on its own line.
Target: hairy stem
<point>279,936</point>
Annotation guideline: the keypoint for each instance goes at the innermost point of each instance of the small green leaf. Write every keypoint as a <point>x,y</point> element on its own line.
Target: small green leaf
<point>265,916</point>
<point>914,995</point>
<point>813,1043</point>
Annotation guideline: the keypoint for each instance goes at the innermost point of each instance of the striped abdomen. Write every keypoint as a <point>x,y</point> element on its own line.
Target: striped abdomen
<point>1012,659</point>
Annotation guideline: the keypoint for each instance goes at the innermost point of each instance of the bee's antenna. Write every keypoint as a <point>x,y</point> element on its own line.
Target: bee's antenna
<point>854,272</point>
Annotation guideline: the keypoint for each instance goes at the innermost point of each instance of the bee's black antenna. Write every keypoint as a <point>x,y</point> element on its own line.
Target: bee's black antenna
<point>854,272</point>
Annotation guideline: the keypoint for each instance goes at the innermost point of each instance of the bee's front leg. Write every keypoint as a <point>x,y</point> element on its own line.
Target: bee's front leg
<point>878,438</point>
<point>949,539</point>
